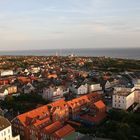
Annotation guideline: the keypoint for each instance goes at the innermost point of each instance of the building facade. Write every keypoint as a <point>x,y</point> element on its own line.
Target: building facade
<point>123,98</point>
<point>7,73</point>
<point>50,121</point>
<point>54,93</point>
<point>6,130</point>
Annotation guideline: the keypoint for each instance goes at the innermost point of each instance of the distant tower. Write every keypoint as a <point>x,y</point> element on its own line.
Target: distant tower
<point>56,54</point>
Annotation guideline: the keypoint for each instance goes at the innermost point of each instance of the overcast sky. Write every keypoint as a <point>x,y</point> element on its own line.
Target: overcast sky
<point>48,24</point>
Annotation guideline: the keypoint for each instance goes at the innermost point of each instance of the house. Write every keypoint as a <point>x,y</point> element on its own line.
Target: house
<point>96,114</point>
<point>107,85</point>
<point>77,105</point>
<point>3,93</point>
<point>82,105</point>
<point>35,70</point>
<point>6,130</point>
<point>6,73</point>
<point>54,93</point>
<point>94,87</point>
<point>7,90</point>
<point>79,89</point>
<point>59,110</point>
<point>28,88</point>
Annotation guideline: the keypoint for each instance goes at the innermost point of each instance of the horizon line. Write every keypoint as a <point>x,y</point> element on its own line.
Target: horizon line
<point>65,49</point>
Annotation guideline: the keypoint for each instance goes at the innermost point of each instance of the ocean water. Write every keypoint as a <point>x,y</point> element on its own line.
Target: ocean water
<point>114,53</point>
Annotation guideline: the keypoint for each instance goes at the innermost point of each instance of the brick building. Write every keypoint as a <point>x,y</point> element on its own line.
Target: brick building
<point>50,122</point>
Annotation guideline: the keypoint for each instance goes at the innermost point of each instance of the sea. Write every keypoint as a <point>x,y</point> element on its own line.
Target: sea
<point>127,53</point>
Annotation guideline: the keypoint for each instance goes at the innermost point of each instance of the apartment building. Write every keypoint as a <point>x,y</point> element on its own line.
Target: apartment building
<point>123,98</point>
<point>6,130</point>
<point>136,90</point>
<point>44,122</point>
<point>50,121</point>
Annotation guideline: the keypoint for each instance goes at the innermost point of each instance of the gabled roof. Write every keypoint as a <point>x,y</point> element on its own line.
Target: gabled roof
<point>40,122</point>
<point>59,103</point>
<point>36,113</point>
<point>4,123</point>
<point>78,101</point>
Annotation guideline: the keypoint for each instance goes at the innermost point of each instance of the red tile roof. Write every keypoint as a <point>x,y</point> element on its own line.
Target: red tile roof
<point>52,76</point>
<point>53,127</point>
<point>24,79</point>
<point>66,130</point>
<point>44,117</point>
<point>99,104</point>
<point>39,122</point>
<point>77,102</point>
<point>36,113</point>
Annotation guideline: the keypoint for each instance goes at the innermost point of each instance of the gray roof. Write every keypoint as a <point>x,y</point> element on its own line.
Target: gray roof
<point>4,123</point>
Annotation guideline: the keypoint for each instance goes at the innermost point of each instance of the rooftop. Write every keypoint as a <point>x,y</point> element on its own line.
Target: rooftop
<point>66,130</point>
<point>122,91</point>
<point>4,123</point>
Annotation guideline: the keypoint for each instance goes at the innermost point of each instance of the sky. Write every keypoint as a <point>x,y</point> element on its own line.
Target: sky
<point>51,24</point>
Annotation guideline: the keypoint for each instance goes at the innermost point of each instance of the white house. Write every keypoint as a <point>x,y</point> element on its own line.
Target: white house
<point>3,92</point>
<point>107,85</point>
<point>28,88</point>
<point>6,130</point>
<point>54,93</point>
<point>35,69</point>
<point>79,89</point>
<point>94,87</point>
<point>7,73</point>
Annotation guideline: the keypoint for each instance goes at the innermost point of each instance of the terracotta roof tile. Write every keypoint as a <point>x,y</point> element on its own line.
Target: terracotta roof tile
<point>78,101</point>
<point>53,127</point>
<point>100,104</point>
<point>33,114</point>
<point>66,130</point>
